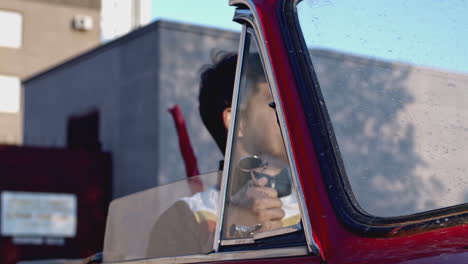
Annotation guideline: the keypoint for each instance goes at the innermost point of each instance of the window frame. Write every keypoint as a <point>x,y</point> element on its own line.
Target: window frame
<point>21,28</point>
<point>333,173</point>
<point>251,26</point>
<point>17,108</point>
<point>249,40</point>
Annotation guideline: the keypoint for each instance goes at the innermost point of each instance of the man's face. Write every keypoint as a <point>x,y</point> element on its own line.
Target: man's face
<point>260,129</point>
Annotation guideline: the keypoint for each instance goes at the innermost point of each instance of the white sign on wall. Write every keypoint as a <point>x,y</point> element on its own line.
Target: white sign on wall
<point>38,214</point>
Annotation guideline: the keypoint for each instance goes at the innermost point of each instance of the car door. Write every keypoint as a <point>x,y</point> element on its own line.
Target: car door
<point>374,98</point>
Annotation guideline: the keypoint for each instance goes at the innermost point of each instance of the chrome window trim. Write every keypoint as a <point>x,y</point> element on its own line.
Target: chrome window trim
<point>239,241</point>
<point>261,235</point>
<point>224,256</point>
<point>311,244</point>
<point>249,33</point>
<point>228,152</point>
<point>278,232</point>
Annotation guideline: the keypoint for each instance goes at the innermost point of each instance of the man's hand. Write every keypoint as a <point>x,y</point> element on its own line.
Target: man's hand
<point>265,205</point>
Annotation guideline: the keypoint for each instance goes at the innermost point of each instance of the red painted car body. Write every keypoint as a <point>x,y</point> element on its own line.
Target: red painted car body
<point>337,243</point>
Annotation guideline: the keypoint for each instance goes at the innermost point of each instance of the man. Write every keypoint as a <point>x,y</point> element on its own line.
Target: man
<point>253,204</point>
<point>256,134</point>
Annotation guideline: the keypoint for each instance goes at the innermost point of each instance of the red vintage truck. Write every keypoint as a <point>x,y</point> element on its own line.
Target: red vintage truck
<point>369,100</point>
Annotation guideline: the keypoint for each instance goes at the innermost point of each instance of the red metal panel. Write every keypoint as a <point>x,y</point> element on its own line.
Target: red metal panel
<point>337,244</point>
<point>325,223</point>
<point>84,174</point>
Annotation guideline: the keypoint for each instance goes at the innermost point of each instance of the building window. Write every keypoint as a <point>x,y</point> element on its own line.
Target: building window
<point>9,94</point>
<point>12,35</point>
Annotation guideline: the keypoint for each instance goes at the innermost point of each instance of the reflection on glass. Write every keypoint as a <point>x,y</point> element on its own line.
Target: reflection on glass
<point>394,79</point>
<point>171,220</point>
<point>260,197</point>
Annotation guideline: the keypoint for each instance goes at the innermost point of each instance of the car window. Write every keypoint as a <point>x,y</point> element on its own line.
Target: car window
<point>166,221</point>
<point>260,197</point>
<point>393,76</point>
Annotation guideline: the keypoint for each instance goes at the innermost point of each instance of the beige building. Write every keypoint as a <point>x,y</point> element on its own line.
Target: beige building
<point>36,35</point>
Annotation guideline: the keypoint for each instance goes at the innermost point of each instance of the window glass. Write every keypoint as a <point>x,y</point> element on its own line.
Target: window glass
<point>9,94</point>
<point>260,197</point>
<point>11,36</point>
<point>394,78</point>
<point>172,220</point>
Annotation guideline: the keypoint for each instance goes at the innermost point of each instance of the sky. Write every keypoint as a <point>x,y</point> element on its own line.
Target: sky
<point>214,13</point>
<point>430,33</point>
<point>365,27</point>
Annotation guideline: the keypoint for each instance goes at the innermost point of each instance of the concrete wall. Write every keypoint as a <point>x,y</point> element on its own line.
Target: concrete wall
<point>400,128</point>
<point>402,131</point>
<point>178,81</point>
<point>131,82</point>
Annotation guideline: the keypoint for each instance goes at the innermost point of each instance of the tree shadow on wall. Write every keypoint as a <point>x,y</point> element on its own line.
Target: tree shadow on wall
<point>366,101</point>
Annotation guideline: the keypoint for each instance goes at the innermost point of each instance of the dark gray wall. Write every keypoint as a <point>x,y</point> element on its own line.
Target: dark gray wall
<point>132,82</point>
<point>179,76</point>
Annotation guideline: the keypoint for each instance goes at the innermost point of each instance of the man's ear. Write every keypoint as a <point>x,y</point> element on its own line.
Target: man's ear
<point>227,117</point>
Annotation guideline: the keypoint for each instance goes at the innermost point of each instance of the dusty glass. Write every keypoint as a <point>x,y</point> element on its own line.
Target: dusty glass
<point>260,197</point>
<point>394,79</point>
<point>166,221</point>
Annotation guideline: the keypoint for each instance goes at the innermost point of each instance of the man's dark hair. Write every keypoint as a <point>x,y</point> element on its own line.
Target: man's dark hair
<point>216,87</point>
